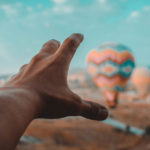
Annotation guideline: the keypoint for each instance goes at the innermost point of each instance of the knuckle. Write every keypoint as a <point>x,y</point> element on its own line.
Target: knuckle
<point>23,67</point>
<point>36,58</point>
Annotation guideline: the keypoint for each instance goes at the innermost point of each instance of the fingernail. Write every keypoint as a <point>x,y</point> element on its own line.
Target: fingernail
<point>103,114</point>
<point>55,42</point>
<point>77,36</point>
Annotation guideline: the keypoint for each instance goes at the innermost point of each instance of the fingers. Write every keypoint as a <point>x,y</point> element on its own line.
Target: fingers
<point>68,48</point>
<point>23,67</point>
<point>93,111</point>
<point>50,47</point>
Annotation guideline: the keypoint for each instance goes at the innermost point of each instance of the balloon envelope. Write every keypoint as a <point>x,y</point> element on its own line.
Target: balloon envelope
<point>141,80</point>
<point>110,66</point>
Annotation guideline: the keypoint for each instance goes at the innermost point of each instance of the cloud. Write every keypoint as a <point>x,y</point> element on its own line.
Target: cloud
<point>62,7</point>
<point>8,9</point>
<point>58,19</point>
<point>109,6</point>
<point>147,8</point>
<point>134,14</point>
<point>59,1</point>
<point>139,16</point>
<point>65,9</point>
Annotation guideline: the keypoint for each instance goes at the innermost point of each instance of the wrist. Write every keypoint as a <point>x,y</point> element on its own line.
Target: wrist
<point>18,107</point>
<point>24,99</point>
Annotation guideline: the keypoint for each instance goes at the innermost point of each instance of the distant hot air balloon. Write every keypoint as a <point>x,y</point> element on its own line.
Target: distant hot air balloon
<point>141,80</point>
<point>110,66</point>
<point>2,82</point>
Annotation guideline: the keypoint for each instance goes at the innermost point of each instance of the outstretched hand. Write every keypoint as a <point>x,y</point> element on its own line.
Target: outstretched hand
<point>45,77</point>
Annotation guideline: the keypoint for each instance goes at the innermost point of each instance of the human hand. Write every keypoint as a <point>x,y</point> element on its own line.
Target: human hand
<point>46,78</point>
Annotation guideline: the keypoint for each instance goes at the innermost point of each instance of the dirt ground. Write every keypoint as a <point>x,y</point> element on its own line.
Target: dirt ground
<point>82,134</point>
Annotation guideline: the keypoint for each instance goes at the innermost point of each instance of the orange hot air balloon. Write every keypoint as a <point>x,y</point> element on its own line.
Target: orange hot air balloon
<point>110,66</point>
<point>141,80</point>
<point>2,82</point>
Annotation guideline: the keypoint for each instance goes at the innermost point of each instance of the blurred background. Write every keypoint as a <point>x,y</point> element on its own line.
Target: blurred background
<point>26,25</point>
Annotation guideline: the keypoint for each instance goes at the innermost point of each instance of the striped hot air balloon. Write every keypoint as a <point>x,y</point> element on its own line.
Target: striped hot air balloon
<point>110,66</point>
<point>141,80</point>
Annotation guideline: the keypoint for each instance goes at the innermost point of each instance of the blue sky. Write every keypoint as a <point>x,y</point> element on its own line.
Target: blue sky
<point>26,24</point>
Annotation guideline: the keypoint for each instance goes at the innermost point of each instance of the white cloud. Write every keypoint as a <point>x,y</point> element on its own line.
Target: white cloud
<point>135,14</point>
<point>8,9</point>
<point>133,17</point>
<point>59,1</point>
<point>147,8</point>
<point>142,15</point>
<point>65,9</point>
<point>61,7</point>
<point>108,6</point>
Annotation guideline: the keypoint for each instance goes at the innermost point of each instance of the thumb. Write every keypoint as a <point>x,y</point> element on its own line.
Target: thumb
<point>92,110</point>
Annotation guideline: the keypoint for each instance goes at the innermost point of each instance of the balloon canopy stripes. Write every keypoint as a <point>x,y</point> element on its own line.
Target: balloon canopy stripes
<point>110,69</point>
<point>110,66</point>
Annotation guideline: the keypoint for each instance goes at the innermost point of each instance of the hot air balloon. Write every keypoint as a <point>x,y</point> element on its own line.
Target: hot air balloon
<point>110,66</point>
<point>2,82</point>
<point>141,80</point>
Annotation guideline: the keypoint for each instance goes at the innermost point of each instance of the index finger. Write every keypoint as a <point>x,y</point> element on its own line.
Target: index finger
<point>68,48</point>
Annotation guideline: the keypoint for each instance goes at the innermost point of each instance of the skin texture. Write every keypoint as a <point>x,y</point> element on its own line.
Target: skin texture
<point>40,90</point>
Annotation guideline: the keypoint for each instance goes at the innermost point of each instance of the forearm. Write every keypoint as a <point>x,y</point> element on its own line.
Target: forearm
<point>17,109</point>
